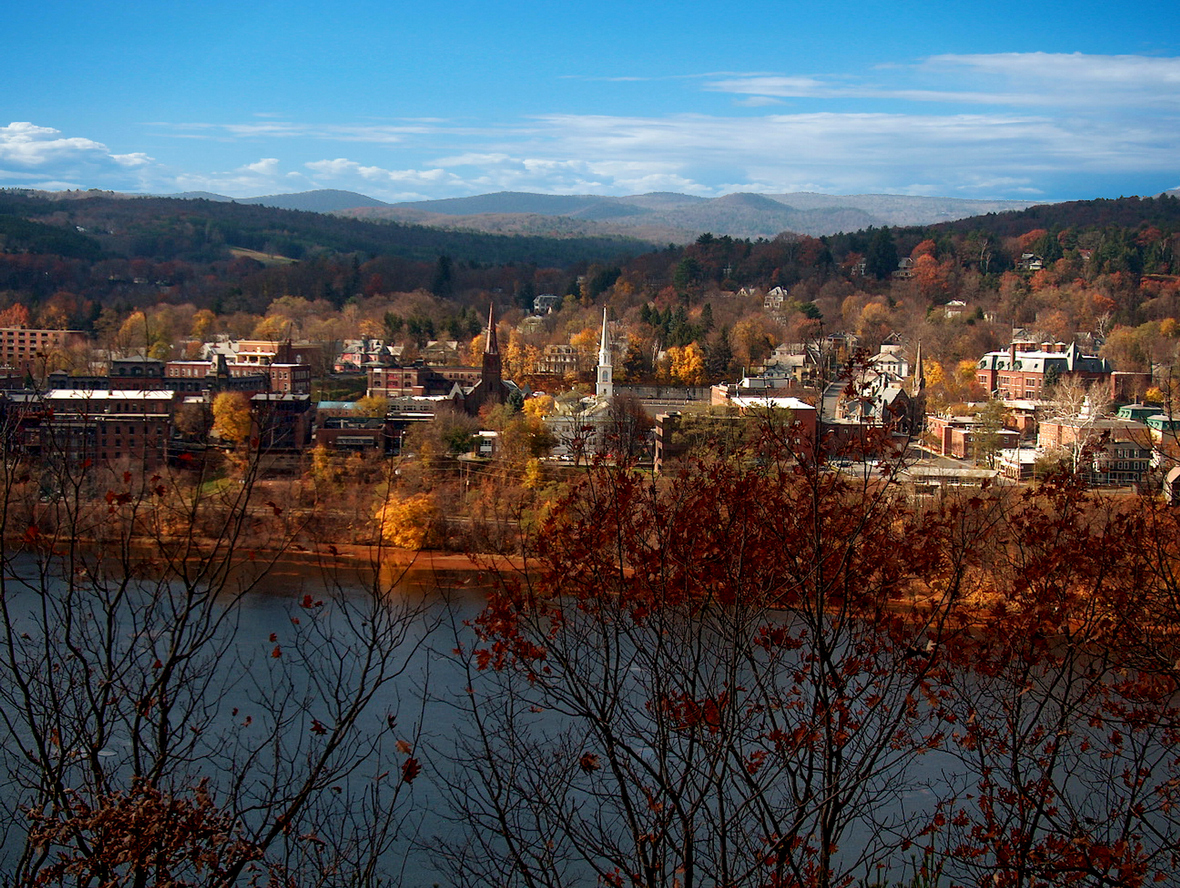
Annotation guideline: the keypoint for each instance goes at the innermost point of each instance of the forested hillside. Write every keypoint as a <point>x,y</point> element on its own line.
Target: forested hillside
<point>1104,271</point>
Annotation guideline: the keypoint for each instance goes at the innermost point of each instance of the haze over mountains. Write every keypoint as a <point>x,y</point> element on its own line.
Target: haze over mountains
<point>660,217</point>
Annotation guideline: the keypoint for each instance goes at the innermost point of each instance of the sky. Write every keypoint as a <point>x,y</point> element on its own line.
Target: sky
<point>409,101</point>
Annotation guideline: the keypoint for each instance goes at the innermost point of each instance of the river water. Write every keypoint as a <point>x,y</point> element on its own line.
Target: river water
<point>256,657</point>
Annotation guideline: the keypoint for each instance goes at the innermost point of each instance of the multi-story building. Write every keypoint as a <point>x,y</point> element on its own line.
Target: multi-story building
<point>418,380</point>
<point>560,360</point>
<point>29,350</point>
<point>1108,450</point>
<point>103,426</point>
<point>1022,372</point>
<point>955,436</point>
<point>217,376</point>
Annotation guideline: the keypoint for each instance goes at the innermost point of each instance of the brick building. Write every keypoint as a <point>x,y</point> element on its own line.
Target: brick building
<point>1020,372</point>
<point>28,349</point>
<point>101,425</point>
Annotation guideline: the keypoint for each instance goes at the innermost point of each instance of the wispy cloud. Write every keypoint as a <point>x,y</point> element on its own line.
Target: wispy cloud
<point>286,129</point>
<point>1014,79</point>
<point>263,176</point>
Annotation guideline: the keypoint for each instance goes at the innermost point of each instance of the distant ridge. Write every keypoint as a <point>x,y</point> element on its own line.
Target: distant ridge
<point>660,217</point>
<point>324,200</point>
<point>682,217</point>
<point>199,195</point>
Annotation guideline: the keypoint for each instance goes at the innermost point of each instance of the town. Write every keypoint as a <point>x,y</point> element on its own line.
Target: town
<point>322,560</point>
<point>1007,384</point>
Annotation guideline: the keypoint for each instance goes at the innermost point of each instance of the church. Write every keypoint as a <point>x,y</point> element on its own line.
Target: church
<point>491,388</point>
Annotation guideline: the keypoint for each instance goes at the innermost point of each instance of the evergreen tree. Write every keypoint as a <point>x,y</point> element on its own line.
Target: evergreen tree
<point>881,260</point>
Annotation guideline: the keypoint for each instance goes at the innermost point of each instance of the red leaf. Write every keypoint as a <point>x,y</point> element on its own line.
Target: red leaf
<point>276,653</point>
<point>410,770</point>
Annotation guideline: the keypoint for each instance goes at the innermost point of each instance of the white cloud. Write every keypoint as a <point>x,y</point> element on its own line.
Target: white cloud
<point>42,157</point>
<point>268,167</point>
<point>1089,82</point>
<point>387,184</point>
<point>28,145</point>
<point>263,176</point>
<point>287,130</point>
<point>137,159</point>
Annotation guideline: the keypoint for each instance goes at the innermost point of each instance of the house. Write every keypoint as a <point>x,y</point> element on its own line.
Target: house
<point>905,269</point>
<point>891,359</point>
<point>545,303</point>
<point>356,353</point>
<point>1107,450</point>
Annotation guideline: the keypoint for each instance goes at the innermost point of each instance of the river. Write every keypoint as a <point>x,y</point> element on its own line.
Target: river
<point>293,649</point>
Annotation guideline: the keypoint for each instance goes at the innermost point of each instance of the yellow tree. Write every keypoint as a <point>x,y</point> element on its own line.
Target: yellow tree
<point>687,364</point>
<point>203,324</point>
<point>16,315</point>
<point>372,406</point>
<point>586,341</point>
<point>407,521</point>
<point>539,406</point>
<point>231,417</point>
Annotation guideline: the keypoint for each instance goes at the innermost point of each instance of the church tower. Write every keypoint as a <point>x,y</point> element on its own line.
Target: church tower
<point>604,389</point>
<point>918,394</point>
<point>490,389</point>
<point>491,374</point>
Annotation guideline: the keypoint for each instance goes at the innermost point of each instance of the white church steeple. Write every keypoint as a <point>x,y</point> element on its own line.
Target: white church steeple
<point>604,389</point>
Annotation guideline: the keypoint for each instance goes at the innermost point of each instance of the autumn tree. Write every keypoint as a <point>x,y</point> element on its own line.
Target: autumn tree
<point>164,723</point>
<point>1064,723</point>
<point>231,417</point>
<point>713,681</point>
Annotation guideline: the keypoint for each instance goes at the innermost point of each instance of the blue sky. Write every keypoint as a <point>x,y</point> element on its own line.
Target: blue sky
<point>405,101</point>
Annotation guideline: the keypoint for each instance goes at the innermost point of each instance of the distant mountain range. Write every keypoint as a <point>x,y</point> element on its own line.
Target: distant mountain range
<point>660,217</point>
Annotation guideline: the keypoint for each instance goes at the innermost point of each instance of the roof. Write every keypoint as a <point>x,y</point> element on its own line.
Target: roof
<point>781,403</point>
<point>1070,360</point>
<point>108,395</point>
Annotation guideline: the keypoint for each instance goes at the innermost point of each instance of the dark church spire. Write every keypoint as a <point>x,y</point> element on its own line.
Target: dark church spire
<point>491,348</point>
<point>491,376</point>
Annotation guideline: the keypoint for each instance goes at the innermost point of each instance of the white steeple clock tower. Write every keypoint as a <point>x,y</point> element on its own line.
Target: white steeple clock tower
<point>604,389</point>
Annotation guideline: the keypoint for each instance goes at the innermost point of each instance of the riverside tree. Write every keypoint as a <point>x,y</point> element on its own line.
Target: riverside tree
<point>149,736</point>
<point>763,673</point>
<point>719,679</point>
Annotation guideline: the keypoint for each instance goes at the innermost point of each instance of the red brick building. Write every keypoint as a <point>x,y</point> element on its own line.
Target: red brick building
<point>29,350</point>
<point>104,426</point>
<point>1021,372</point>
